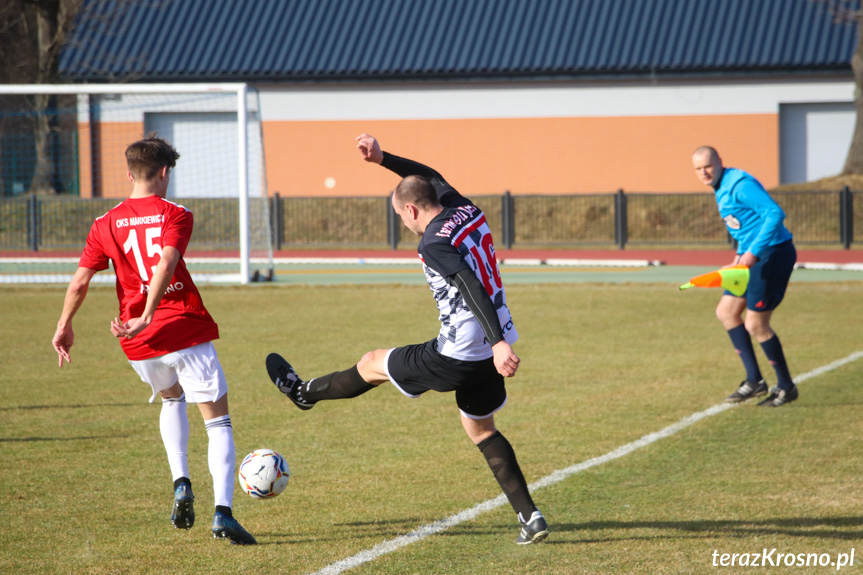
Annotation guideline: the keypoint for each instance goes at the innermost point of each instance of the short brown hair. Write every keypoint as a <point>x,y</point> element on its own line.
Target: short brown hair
<point>147,156</point>
<point>418,191</point>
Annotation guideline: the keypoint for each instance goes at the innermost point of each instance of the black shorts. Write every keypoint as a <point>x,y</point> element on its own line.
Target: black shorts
<point>479,388</point>
<point>769,276</point>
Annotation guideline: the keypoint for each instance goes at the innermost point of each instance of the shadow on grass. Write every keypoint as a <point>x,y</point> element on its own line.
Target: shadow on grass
<point>825,528</point>
<point>405,521</point>
<point>819,527</point>
<point>84,438</point>
<point>76,406</point>
<point>372,530</point>
<point>810,527</point>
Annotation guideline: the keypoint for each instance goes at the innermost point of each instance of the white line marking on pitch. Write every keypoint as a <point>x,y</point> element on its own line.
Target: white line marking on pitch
<point>555,477</point>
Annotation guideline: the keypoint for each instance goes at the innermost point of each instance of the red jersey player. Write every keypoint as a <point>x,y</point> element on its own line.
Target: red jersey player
<point>163,326</point>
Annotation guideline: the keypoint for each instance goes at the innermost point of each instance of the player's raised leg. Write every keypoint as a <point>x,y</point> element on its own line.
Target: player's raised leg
<point>346,384</point>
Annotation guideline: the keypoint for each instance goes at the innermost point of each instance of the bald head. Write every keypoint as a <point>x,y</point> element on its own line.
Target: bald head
<point>707,164</point>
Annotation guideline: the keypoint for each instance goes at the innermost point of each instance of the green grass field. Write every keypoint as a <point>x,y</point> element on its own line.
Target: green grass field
<point>85,486</point>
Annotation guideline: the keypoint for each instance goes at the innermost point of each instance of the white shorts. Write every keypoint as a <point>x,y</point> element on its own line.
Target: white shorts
<point>197,368</point>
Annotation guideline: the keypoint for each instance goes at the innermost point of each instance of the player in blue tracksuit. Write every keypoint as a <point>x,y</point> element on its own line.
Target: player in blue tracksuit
<point>764,244</point>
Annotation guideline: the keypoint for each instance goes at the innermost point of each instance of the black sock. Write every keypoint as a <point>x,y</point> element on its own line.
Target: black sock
<point>338,385</point>
<point>743,345</point>
<point>501,459</point>
<point>182,481</point>
<point>226,511</point>
<point>773,350</point>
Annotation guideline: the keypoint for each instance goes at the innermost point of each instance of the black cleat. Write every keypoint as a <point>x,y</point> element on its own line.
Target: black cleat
<point>747,390</point>
<point>532,531</point>
<point>183,514</point>
<point>229,528</point>
<point>287,380</point>
<point>779,397</point>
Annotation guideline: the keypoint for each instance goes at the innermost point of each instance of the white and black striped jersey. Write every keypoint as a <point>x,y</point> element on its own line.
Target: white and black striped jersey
<point>457,239</point>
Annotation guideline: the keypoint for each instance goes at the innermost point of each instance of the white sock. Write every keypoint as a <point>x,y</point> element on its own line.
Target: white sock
<point>174,426</point>
<point>222,459</point>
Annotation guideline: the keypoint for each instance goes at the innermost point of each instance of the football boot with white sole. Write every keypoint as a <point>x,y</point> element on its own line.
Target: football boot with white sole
<point>534,530</point>
<point>287,380</point>
<point>747,390</point>
<point>779,397</point>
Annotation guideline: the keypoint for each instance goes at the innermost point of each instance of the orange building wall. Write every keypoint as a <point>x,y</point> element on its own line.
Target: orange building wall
<point>85,161</point>
<point>481,157</point>
<point>524,156</point>
<point>102,160</point>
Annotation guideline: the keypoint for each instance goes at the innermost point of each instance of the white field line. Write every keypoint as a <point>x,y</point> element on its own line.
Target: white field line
<point>555,477</point>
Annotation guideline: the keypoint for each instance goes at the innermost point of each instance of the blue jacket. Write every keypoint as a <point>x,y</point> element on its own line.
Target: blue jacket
<point>753,218</point>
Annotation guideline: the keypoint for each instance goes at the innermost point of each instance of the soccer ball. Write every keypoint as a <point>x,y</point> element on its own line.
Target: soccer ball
<point>263,473</point>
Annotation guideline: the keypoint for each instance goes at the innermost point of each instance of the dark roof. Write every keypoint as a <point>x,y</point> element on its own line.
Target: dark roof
<point>336,40</point>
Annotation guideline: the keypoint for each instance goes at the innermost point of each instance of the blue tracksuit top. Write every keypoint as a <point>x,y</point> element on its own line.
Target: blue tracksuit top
<point>753,218</point>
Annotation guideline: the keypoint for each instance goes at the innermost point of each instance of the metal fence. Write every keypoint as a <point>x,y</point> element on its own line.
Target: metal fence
<point>619,219</point>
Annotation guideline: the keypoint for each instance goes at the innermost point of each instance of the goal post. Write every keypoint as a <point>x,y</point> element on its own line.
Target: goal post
<point>62,164</point>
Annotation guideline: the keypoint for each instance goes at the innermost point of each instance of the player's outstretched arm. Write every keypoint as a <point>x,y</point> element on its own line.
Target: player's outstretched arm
<point>158,284</point>
<point>64,337</point>
<point>371,151</point>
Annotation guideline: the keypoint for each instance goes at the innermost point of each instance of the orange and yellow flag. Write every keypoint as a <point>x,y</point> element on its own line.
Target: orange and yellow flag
<point>734,279</point>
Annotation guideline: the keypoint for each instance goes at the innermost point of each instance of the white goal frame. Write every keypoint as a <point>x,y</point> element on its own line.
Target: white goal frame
<point>241,91</point>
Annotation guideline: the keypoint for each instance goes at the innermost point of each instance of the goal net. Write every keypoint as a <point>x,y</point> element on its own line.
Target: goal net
<point>62,164</point>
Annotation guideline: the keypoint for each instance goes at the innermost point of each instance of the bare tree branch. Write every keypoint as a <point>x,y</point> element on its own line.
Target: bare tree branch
<point>843,11</point>
<point>846,12</point>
